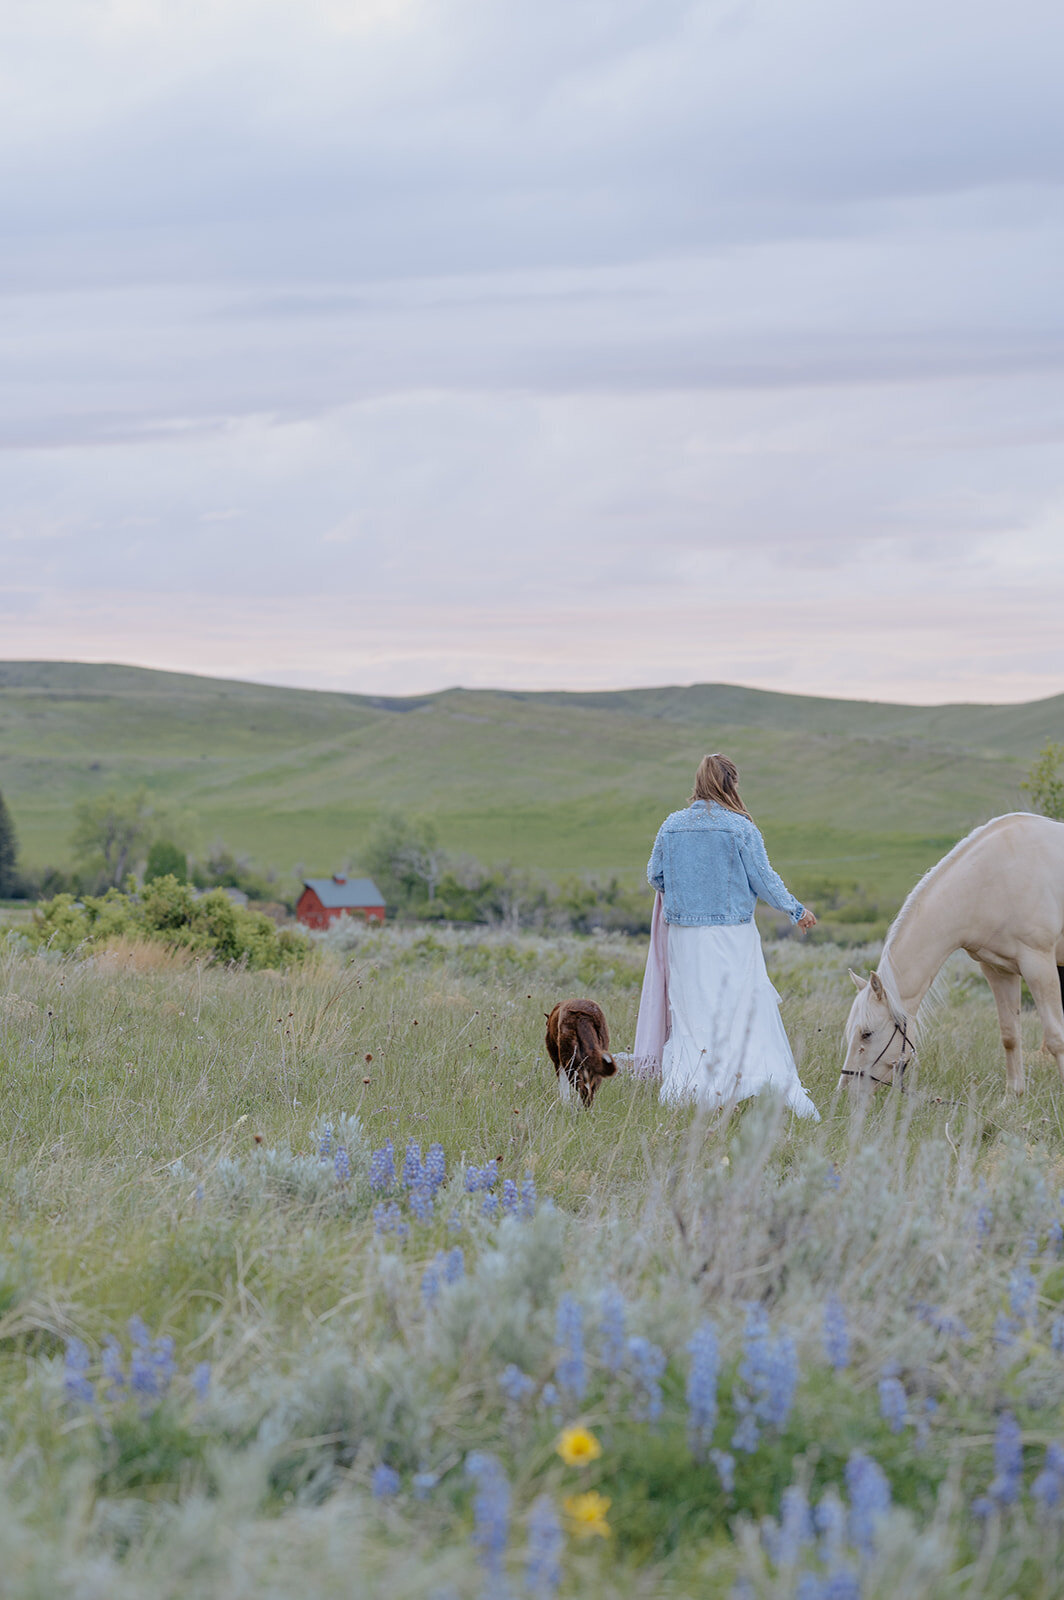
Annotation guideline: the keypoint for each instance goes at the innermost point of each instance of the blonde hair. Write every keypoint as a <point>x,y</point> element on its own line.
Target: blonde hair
<point>717,779</point>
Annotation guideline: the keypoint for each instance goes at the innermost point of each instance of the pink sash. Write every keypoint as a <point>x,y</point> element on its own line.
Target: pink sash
<point>652,1028</point>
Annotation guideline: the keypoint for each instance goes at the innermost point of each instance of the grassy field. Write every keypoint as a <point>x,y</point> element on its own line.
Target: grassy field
<point>561,783</point>
<point>349,1406</point>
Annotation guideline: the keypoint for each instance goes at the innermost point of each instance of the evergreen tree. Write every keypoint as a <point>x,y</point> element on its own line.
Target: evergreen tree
<point>8,851</point>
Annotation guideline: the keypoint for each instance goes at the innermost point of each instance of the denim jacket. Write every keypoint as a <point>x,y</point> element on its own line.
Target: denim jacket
<point>711,865</point>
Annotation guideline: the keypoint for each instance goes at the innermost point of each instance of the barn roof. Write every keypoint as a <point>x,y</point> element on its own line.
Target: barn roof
<point>339,892</point>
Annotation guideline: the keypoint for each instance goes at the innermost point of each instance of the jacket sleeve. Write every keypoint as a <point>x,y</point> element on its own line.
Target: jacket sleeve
<point>656,865</point>
<point>766,883</point>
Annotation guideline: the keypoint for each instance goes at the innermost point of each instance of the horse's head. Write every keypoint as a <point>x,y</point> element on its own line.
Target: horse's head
<point>877,1036</point>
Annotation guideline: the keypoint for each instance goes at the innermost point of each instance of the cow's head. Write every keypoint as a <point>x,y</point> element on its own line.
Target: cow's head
<point>586,1075</point>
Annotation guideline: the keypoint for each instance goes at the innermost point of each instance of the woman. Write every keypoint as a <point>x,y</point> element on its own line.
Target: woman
<point>726,1040</point>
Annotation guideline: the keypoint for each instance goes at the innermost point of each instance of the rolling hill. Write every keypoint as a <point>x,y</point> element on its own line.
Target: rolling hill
<point>566,783</point>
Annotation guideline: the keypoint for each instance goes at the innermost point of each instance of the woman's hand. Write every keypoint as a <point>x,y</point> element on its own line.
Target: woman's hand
<point>806,920</point>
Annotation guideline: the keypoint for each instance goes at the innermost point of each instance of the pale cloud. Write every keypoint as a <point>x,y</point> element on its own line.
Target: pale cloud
<point>738,322</point>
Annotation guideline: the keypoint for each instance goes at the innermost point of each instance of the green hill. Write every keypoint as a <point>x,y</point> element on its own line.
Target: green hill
<point>562,782</point>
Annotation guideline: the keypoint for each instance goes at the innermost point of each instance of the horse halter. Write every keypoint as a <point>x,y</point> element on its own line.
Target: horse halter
<point>898,1067</point>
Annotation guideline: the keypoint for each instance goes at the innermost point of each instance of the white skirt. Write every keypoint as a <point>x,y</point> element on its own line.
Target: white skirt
<point>726,1040</point>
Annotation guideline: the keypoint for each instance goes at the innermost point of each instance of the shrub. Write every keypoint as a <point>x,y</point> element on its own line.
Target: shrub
<point>174,913</point>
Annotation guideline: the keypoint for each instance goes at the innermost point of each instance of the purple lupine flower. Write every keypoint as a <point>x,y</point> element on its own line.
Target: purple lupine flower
<point>893,1402</point>
<point>382,1168</point>
<point>516,1385</point>
<point>549,1396</point>
<point>841,1584</point>
<point>781,1380</point>
<point>342,1165</point>
<point>76,1384</point>
<point>325,1147</point>
<point>1048,1488</point>
<point>829,1519</point>
<point>984,1215</point>
<point>751,1370</point>
<point>869,1492</point>
<point>747,1435</point>
<point>1023,1293</point>
<point>833,1177</point>
<point>795,1530</point>
<point>570,1369</point>
<point>1008,1461</point>
<point>646,1363</point>
<point>447,1267</point>
<point>528,1197</point>
<point>1054,1236</point>
<point>543,1571</point>
<point>481,1178</point>
<point>510,1197</point>
<point>809,1587</point>
<point>201,1380</point>
<point>611,1341</point>
<point>435,1169</point>
<point>769,1371</point>
<point>453,1264</point>
<point>702,1378</point>
<point>491,1516</point>
<point>151,1364</point>
<point>412,1166</point>
<point>388,1219</point>
<point>111,1363</point>
<point>430,1283</point>
<point>489,1205</point>
<point>385,1482</point>
<point>421,1203</point>
<point>725,1465</point>
<point>1056,1336</point>
<point>1004,1330</point>
<point>836,1334</point>
<point>951,1327</point>
<point>424,1483</point>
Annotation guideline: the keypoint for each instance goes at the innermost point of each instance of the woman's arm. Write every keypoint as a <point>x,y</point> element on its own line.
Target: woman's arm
<point>656,865</point>
<point>762,879</point>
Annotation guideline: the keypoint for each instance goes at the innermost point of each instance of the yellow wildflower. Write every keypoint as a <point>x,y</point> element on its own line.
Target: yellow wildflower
<point>587,1513</point>
<point>577,1446</point>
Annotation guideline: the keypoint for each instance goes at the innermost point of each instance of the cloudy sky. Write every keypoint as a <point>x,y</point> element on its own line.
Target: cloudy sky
<point>392,344</point>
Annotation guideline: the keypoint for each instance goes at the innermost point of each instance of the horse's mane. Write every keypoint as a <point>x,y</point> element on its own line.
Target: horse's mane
<point>905,915</point>
<point>934,997</point>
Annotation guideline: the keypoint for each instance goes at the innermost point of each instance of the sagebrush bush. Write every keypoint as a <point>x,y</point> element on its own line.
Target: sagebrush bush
<point>310,1284</point>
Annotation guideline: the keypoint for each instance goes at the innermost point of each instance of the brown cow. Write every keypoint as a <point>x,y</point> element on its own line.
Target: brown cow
<point>578,1044</point>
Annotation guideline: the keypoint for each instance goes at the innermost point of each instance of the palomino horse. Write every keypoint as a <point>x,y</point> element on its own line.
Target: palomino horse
<point>999,895</point>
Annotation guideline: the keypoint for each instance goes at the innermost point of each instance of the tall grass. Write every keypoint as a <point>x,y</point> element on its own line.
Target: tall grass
<point>170,1150</point>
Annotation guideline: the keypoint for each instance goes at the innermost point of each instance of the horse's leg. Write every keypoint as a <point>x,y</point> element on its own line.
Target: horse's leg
<point>1005,987</point>
<point>1040,972</point>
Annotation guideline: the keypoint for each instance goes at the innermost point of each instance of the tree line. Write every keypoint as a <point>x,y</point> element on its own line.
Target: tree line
<point>116,837</point>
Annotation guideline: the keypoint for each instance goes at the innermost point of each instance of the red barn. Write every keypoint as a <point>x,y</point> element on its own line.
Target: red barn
<point>325,899</point>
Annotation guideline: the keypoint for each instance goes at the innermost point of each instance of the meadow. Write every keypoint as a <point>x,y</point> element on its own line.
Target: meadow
<point>563,784</point>
<point>310,1285</point>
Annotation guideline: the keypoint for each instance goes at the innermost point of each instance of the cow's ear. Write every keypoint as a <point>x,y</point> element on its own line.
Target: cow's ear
<point>609,1066</point>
